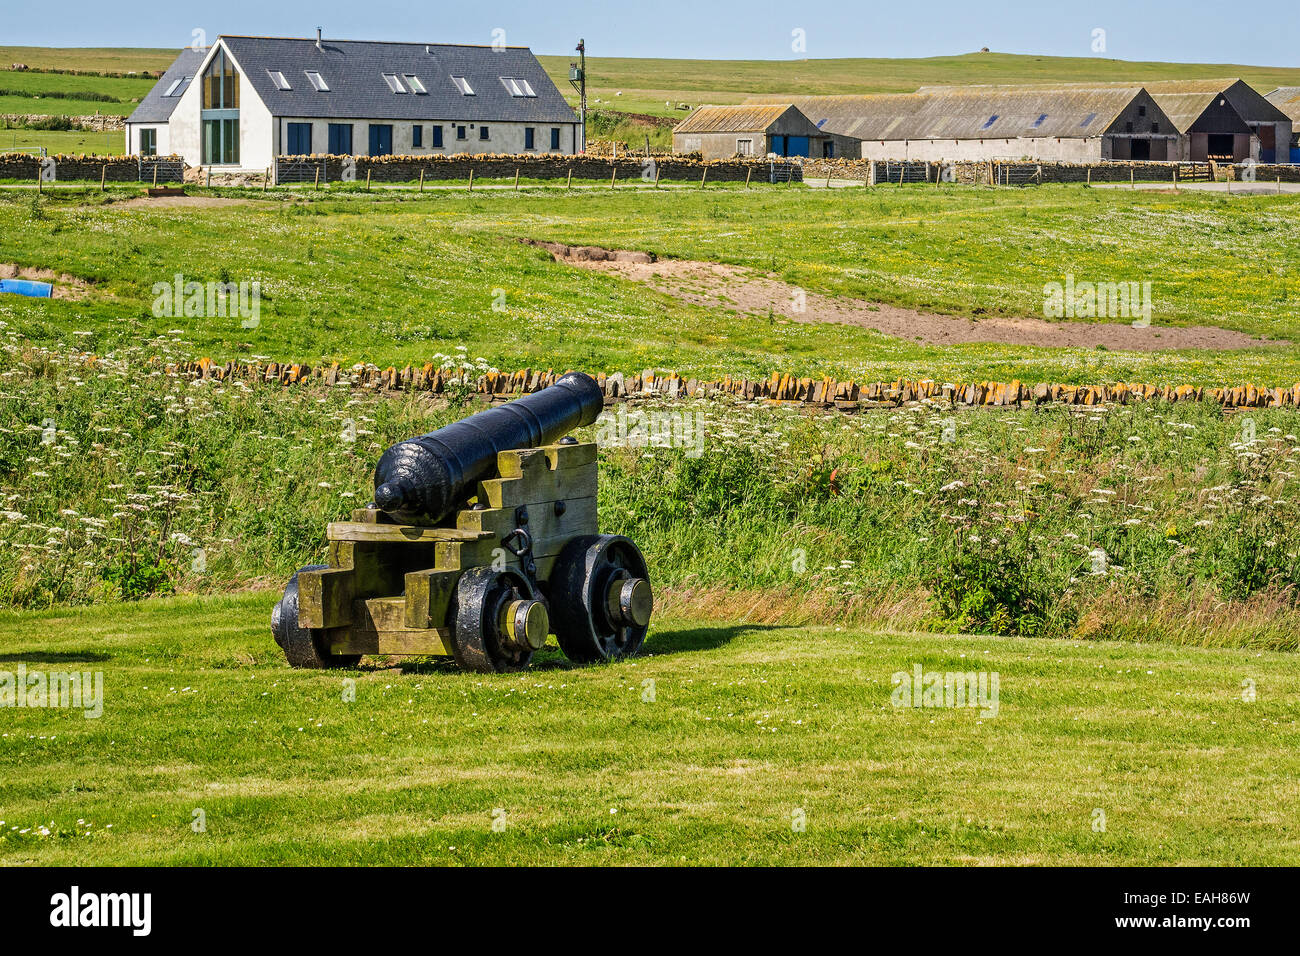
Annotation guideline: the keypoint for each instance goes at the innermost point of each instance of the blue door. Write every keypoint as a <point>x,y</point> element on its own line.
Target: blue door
<point>381,140</point>
<point>340,139</point>
<point>796,146</point>
<point>300,139</point>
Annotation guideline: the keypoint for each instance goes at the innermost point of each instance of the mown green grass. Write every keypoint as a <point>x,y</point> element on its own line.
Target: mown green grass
<point>391,279</point>
<point>747,725</point>
<point>98,59</point>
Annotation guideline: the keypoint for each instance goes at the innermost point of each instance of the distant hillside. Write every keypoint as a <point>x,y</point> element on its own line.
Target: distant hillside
<point>657,86</point>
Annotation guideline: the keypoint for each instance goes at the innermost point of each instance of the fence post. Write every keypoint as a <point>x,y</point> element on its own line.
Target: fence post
<point>613,176</point>
<point>703,176</point>
<point>656,175</point>
<point>748,172</point>
<point>471,179</point>
<point>367,179</point>
<point>1132,176</point>
<point>315,185</point>
<point>103,177</point>
<point>421,179</point>
<point>568,180</point>
<point>1088,178</point>
<point>516,179</point>
<point>266,178</point>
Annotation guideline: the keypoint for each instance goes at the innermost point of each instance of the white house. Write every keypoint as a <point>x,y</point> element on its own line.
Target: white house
<point>245,100</point>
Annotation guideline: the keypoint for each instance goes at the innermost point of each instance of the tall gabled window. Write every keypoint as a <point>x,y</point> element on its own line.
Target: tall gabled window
<point>415,83</point>
<point>279,79</point>
<point>462,84</point>
<point>394,83</point>
<point>517,87</point>
<point>317,81</point>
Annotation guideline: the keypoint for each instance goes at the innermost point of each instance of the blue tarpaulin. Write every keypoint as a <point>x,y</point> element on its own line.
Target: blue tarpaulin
<point>40,290</point>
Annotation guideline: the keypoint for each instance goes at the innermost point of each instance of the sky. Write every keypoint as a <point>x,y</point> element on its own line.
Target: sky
<point>1261,33</point>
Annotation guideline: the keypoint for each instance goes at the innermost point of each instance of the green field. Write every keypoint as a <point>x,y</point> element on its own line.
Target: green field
<point>702,751</point>
<point>1129,572</point>
<point>423,270</point>
<point>71,142</point>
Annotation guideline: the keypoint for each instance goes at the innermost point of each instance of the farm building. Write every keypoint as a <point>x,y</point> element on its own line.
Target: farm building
<point>721,132</point>
<point>1225,120</point>
<point>261,97</point>
<point>1178,120</point>
<point>1287,99</point>
<point>1065,124</point>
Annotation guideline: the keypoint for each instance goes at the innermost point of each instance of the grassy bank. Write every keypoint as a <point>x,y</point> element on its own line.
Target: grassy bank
<point>1147,522</point>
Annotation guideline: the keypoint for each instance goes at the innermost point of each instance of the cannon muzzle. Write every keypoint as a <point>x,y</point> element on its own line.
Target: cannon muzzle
<point>423,478</point>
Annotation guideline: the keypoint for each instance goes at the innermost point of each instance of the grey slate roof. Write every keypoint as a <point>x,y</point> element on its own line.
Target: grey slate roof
<point>354,69</point>
<point>156,108</point>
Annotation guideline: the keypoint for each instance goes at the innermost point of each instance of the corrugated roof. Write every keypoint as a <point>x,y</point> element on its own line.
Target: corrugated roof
<point>156,108</point>
<point>1287,99</point>
<point>354,71</point>
<point>732,119</point>
<point>1183,101</point>
<point>972,112</point>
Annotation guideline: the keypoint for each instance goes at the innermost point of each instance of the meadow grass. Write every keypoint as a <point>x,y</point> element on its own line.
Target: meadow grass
<point>1152,522</point>
<point>390,278</point>
<point>701,751</point>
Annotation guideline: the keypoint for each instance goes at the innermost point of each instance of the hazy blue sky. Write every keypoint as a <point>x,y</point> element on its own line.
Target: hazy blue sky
<point>1263,32</point>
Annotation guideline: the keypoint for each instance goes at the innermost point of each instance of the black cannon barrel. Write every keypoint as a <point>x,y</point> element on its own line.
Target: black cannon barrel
<point>424,477</point>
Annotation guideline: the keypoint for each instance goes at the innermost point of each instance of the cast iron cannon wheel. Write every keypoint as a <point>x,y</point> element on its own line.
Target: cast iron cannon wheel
<point>600,599</point>
<point>303,647</point>
<point>480,641</point>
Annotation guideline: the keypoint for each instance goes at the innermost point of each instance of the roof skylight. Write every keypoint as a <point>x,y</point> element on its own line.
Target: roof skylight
<point>279,80</point>
<point>415,83</point>
<point>317,81</point>
<point>462,84</point>
<point>517,87</point>
<point>394,83</point>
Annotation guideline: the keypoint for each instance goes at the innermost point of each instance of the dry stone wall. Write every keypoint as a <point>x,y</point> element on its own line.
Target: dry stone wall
<point>822,392</point>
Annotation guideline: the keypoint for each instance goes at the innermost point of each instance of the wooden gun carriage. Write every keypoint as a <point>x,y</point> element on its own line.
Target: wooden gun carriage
<point>517,556</point>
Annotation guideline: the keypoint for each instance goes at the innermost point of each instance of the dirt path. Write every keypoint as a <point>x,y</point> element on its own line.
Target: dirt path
<point>715,285</point>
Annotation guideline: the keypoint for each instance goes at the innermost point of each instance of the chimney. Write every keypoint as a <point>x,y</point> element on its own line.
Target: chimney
<point>318,46</point>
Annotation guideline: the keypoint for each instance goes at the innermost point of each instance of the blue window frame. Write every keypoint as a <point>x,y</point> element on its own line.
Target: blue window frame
<point>482,132</point>
<point>381,139</point>
<point>299,139</point>
<point>555,137</point>
<point>340,139</point>
<point>460,132</point>
<point>529,138</point>
<point>417,135</point>
<point>437,137</point>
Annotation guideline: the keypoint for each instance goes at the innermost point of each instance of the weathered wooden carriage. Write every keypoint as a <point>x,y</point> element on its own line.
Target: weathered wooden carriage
<point>481,541</point>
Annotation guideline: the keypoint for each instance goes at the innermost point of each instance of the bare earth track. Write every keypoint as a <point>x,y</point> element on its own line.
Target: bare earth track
<point>715,285</point>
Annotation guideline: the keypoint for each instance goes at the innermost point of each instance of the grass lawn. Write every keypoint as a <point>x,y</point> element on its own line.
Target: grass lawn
<point>747,725</point>
<point>350,276</point>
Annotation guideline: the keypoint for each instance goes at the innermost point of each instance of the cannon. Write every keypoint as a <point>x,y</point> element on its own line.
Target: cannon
<point>481,541</point>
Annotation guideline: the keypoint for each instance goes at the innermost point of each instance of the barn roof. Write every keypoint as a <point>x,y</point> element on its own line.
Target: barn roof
<point>733,119</point>
<point>1287,99</point>
<point>157,106</point>
<point>354,71</point>
<point>972,112</point>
